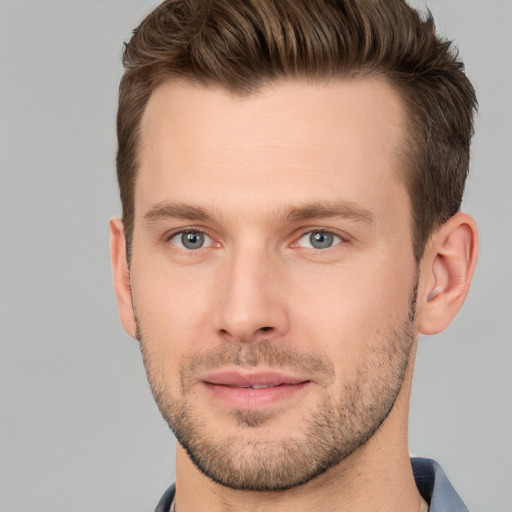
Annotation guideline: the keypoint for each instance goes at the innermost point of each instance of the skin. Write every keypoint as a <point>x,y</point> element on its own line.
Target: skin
<point>257,168</point>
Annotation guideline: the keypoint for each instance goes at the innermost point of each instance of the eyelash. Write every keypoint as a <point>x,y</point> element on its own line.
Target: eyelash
<point>192,230</point>
<point>341,239</point>
<point>337,239</point>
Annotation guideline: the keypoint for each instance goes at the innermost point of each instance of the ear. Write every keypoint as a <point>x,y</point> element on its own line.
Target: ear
<point>121,276</point>
<point>446,271</point>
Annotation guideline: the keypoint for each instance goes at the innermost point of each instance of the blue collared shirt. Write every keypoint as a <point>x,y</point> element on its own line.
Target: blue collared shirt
<point>431,481</point>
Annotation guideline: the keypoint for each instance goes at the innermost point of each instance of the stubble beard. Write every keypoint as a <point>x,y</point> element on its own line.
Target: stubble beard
<point>337,425</point>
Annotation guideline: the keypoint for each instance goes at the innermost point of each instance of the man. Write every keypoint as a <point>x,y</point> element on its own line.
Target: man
<point>291,174</point>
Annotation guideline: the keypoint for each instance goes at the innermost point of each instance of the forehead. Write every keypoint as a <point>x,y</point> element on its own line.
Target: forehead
<point>312,141</point>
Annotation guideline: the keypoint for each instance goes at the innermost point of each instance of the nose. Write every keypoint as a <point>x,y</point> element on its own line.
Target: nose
<point>252,301</point>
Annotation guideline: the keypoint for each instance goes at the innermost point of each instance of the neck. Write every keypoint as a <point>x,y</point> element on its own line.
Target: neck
<point>340,489</point>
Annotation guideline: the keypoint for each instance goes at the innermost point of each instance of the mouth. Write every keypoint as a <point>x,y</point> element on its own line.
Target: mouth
<point>253,391</point>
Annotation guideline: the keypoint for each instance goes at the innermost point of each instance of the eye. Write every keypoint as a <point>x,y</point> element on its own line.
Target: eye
<point>319,239</point>
<point>191,240</point>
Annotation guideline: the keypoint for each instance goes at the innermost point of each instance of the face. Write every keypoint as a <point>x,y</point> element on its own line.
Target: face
<point>272,274</point>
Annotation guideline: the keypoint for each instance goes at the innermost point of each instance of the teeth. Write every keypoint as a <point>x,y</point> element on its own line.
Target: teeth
<point>258,386</point>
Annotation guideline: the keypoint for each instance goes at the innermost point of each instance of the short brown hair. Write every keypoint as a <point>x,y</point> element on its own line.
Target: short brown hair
<point>242,45</point>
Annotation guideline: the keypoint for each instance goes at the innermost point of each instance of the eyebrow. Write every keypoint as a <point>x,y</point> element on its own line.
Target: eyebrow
<point>317,210</point>
<point>172,210</point>
<point>329,209</point>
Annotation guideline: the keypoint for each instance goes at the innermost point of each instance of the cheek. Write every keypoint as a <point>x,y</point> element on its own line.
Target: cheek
<point>348,309</point>
<point>172,310</point>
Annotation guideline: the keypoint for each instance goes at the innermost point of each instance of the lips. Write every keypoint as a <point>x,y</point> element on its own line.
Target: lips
<point>253,391</point>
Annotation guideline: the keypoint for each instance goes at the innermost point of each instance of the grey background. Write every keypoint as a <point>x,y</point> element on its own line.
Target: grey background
<point>78,427</point>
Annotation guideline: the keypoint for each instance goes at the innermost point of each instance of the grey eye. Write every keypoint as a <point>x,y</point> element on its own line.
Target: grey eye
<point>191,240</point>
<point>319,239</point>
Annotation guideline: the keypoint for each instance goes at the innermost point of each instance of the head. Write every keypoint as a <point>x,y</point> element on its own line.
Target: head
<point>243,46</point>
<point>290,174</point>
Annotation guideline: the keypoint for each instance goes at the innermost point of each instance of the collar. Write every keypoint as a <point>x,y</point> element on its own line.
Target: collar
<point>435,487</point>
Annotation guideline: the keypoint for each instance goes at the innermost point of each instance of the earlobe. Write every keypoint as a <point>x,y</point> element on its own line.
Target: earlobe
<point>121,276</point>
<point>447,269</point>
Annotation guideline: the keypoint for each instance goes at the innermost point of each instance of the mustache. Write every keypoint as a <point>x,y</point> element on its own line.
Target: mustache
<point>264,352</point>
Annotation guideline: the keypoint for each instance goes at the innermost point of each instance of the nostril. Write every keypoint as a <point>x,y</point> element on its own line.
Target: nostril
<point>265,329</point>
